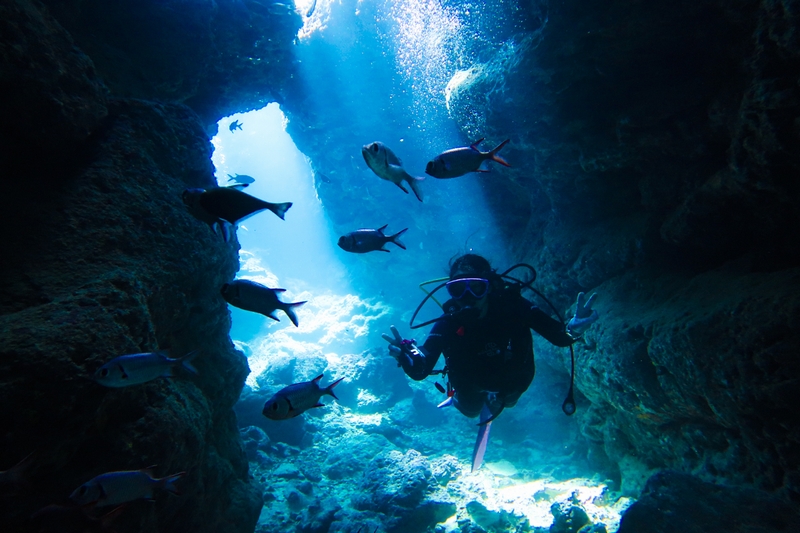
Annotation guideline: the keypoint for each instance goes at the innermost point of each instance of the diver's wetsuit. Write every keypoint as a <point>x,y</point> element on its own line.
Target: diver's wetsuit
<point>492,354</point>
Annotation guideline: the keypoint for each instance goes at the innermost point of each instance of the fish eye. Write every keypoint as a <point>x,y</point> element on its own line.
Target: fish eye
<point>83,490</point>
<point>374,147</point>
<point>275,406</point>
<point>104,373</point>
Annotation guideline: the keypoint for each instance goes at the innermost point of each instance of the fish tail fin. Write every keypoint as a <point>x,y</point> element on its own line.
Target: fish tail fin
<point>280,209</point>
<point>474,145</point>
<point>493,154</point>
<point>396,239</point>
<point>413,182</point>
<point>483,439</point>
<point>289,310</point>
<point>329,388</point>
<point>168,483</point>
<point>186,361</point>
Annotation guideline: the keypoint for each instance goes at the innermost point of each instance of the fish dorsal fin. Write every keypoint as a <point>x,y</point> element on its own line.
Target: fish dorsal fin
<point>316,379</point>
<point>380,230</point>
<point>279,290</point>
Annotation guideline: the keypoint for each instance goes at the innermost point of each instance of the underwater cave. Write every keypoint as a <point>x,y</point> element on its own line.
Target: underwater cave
<point>652,160</point>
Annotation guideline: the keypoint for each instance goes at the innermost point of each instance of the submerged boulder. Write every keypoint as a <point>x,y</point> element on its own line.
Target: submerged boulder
<point>402,487</point>
<point>673,501</point>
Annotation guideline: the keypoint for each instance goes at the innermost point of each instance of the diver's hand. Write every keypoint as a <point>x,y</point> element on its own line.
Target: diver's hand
<point>401,349</point>
<point>584,317</point>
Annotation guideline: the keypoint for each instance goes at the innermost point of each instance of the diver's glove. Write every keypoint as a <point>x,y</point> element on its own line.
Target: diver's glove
<point>403,350</point>
<point>584,317</point>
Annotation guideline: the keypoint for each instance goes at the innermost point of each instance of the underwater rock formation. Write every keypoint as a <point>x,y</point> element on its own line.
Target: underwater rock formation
<point>218,57</point>
<point>673,501</point>
<point>101,258</point>
<point>668,191</point>
<point>400,487</point>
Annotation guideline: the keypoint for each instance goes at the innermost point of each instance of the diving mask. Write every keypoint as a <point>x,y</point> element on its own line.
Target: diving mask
<point>477,287</point>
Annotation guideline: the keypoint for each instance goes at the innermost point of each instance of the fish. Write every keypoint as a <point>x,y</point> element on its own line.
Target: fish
<point>137,368</point>
<point>114,488</point>
<point>241,178</point>
<point>311,9</point>
<point>255,297</point>
<point>235,125</point>
<point>297,398</point>
<point>369,240</point>
<point>73,519</point>
<point>459,161</point>
<point>223,207</point>
<point>388,166</point>
<point>229,204</point>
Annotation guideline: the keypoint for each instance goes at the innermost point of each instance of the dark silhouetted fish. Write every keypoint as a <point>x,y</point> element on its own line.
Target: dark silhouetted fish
<point>227,205</point>
<point>311,9</point>
<point>241,178</point>
<point>297,398</point>
<point>255,297</point>
<point>459,161</point>
<point>388,166</point>
<point>114,488</point>
<point>137,368</point>
<point>235,125</point>
<point>369,240</point>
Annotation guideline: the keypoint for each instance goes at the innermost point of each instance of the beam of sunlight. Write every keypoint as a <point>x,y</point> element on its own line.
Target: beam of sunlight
<point>298,254</point>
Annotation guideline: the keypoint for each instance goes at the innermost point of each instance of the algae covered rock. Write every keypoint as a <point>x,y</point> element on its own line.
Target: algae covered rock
<point>402,487</point>
<point>568,518</point>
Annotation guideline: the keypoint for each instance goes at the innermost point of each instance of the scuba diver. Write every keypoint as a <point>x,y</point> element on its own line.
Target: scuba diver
<point>485,337</point>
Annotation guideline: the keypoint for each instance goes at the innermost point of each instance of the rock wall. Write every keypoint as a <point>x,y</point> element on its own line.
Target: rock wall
<point>219,57</point>
<point>661,148</point>
<point>100,258</point>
